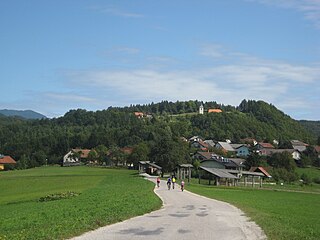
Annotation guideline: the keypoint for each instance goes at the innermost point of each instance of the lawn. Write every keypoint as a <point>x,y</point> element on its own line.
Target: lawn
<point>281,214</point>
<point>106,196</point>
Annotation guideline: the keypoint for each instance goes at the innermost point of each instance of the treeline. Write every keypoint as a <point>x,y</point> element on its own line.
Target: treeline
<point>37,142</point>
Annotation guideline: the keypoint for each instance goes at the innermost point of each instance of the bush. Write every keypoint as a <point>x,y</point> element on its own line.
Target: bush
<point>58,196</point>
<point>306,179</point>
<point>316,180</point>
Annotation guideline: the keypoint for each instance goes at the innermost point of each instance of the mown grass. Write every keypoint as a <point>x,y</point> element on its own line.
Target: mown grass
<point>312,172</point>
<point>107,196</point>
<point>281,214</point>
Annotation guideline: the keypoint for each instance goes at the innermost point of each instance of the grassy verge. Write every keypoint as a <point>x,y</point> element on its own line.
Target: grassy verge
<point>106,196</point>
<point>282,215</point>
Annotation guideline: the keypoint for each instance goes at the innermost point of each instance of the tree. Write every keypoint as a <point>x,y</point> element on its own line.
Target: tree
<point>140,152</point>
<point>102,153</point>
<point>254,160</point>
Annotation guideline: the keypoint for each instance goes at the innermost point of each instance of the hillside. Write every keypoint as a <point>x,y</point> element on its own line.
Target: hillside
<point>312,126</point>
<point>27,114</point>
<point>33,142</point>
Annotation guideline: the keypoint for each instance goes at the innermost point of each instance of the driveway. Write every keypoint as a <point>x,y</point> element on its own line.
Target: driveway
<point>184,216</point>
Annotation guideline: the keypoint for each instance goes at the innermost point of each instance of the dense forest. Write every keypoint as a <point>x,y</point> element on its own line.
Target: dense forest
<point>37,142</point>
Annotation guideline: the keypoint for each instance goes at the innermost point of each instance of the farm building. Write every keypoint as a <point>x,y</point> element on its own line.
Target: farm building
<point>6,161</point>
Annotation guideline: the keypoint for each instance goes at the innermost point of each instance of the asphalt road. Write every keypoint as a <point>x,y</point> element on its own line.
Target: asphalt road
<point>184,216</point>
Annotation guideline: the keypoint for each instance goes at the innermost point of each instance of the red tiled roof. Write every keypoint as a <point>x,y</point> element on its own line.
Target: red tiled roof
<point>261,169</point>
<point>214,110</point>
<point>84,152</point>
<point>138,114</point>
<point>127,150</point>
<point>7,160</point>
<point>266,145</point>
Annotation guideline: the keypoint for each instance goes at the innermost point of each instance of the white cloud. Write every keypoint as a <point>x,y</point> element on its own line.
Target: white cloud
<point>309,8</point>
<point>117,12</point>
<point>212,50</point>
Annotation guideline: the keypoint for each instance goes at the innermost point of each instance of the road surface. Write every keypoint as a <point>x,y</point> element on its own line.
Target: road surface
<point>184,216</point>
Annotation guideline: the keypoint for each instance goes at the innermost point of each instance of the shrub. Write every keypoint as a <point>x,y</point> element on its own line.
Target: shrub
<point>58,196</point>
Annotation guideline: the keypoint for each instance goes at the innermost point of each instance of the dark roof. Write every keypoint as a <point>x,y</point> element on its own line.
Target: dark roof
<point>238,161</point>
<point>154,165</point>
<point>7,160</point>
<point>222,173</point>
<point>208,155</point>
<point>186,165</point>
<point>247,173</point>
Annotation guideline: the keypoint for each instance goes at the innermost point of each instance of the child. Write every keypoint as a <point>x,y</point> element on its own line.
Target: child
<point>182,186</point>
<point>169,183</point>
<point>158,181</point>
<point>173,181</point>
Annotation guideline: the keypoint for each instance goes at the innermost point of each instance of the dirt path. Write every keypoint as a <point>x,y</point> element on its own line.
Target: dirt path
<point>184,216</point>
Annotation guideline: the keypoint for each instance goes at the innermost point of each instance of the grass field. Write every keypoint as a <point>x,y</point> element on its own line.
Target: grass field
<point>281,214</point>
<point>106,196</point>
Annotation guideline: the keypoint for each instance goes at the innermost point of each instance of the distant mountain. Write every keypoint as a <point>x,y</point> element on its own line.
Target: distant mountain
<point>27,114</point>
<point>312,126</point>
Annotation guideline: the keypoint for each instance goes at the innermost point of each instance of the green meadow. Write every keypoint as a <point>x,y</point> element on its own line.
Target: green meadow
<point>281,214</point>
<point>103,196</point>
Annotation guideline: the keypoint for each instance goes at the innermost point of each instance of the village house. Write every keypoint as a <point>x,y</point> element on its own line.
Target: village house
<point>296,155</point>
<point>298,145</point>
<point>242,150</point>
<point>6,161</point>
<point>200,144</point>
<point>225,147</point>
<point>75,156</point>
<point>262,145</point>
<point>149,167</point>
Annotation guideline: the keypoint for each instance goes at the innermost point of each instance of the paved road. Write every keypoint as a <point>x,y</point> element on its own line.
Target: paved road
<point>184,216</point>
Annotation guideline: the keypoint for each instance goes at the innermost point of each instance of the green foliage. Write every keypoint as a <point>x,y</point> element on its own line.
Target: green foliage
<point>34,141</point>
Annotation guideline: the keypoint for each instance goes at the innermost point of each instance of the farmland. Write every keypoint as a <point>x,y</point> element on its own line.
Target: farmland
<point>103,196</point>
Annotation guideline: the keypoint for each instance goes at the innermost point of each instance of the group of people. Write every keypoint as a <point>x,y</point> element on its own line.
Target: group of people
<point>171,181</point>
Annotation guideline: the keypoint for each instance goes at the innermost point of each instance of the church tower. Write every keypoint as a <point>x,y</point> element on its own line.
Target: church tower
<point>201,110</point>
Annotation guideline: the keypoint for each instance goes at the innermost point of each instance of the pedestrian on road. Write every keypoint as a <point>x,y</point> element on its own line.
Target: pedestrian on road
<point>173,182</point>
<point>169,183</point>
<point>158,181</point>
<point>182,185</point>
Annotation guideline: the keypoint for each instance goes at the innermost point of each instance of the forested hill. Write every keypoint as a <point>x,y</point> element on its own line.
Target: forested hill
<point>37,140</point>
<point>312,126</point>
<point>27,114</point>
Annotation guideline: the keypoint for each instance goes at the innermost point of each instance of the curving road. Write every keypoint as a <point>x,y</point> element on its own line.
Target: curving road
<point>184,216</point>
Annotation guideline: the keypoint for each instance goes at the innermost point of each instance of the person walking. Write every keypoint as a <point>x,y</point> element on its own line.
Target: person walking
<point>158,182</point>
<point>173,181</point>
<point>182,185</point>
<point>169,183</point>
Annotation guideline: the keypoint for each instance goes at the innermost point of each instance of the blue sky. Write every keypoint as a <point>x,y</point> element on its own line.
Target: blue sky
<point>61,55</point>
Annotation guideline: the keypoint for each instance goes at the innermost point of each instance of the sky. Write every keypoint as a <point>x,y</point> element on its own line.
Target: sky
<point>93,54</point>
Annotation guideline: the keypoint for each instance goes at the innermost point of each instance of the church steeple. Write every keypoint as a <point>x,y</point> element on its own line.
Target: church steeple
<point>201,110</point>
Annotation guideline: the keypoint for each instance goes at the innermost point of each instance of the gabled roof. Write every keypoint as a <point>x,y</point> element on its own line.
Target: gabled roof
<point>154,165</point>
<point>226,146</point>
<point>298,143</point>
<point>222,173</point>
<point>266,145</point>
<point>237,145</point>
<point>7,160</point>
<point>260,169</point>
<point>210,142</point>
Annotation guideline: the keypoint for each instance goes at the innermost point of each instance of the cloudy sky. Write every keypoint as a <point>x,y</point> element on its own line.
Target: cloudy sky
<point>92,54</point>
